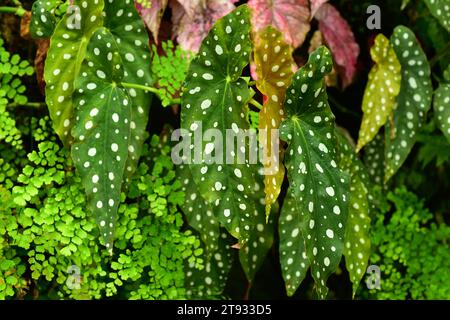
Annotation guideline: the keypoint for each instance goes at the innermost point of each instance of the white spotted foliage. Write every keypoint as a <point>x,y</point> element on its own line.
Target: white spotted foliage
<point>441,105</point>
<point>413,101</point>
<point>440,9</point>
<point>215,96</point>
<point>357,234</point>
<point>318,185</point>
<point>65,55</point>
<point>43,20</point>
<point>130,34</point>
<point>102,130</point>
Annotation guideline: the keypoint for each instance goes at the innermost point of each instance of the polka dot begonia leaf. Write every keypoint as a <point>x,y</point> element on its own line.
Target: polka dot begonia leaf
<point>102,130</point>
<point>357,233</point>
<point>381,92</point>
<point>442,108</point>
<point>374,158</point>
<point>413,101</point>
<point>198,212</point>
<point>43,20</point>
<point>440,9</point>
<point>65,55</point>
<point>216,97</point>
<point>274,65</point>
<point>293,258</point>
<point>319,186</point>
<point>128,29</point>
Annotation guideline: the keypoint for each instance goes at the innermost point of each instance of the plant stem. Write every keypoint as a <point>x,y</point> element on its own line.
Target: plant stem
<point>28,104</point>
<point>256,104</point>
<point>341,108</point>
<point>18,11</point>
<point>252,83</point>
<point>149,89</point>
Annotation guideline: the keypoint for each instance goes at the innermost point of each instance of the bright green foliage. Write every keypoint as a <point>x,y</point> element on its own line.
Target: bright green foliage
<point>319,187</point>
<point>130,34</point>
<point>357,233</point>
<point>413,101</point>
<point>52,223</point>
<point>65,55</point>
<point>440,9</point>
<point>8,131</point>
<point>43,20</point>
<point>381,92</point>
<point>274,62</point>
<point>12,67</point>
<point>215,96</point>
<point>442,105</point>
<point>170,71</point>
<point>411,250</point>
<point>102,132</point>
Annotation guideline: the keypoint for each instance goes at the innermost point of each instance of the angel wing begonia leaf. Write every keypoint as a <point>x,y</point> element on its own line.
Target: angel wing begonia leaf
<point>442,108</point>
<point>192,20</point>
<point>357,234</point>
<point>413,101</point>
<point>290,17</point>
<point>215,97</point>
<point>318,185</point>
<point>440,9</point>
<point>374,158</point>
<point>273,59</point>
<point>43,20</point>
<point>65,55</point>
<point>128,30</point>
<point>293,257</point>
<point>339,37</point>
<point>152,14</point>
<point>102,132</point>
<point>381,92</point>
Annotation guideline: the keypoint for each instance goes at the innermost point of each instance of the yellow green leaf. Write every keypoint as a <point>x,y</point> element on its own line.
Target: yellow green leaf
<point>381,92</point>
<point>273,59</point>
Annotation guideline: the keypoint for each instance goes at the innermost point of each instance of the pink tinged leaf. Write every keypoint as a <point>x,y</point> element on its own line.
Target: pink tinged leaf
<point>152,15</point>
<point>290,17</point>
<point>315,5</point>
<point>339,37</point>
<point>192,20</point>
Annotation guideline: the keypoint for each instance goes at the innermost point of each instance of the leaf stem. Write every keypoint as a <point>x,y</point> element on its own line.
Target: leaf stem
<point>150,89</point>
<point>252,83</point>
<point>256,104</point>
<point>18,11</point>
<point>341,108</point>
<point>28,104</point>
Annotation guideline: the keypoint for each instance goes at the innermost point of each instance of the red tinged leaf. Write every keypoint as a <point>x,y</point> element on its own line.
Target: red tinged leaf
<point>192,20</point>
<point>290,17</point>
<point>315,5</point>
<point>152,15</point>
<point>340,39</point>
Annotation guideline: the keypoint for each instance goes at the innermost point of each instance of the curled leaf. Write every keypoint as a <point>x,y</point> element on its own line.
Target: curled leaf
<point>290,17</point>
<point>152,14</point>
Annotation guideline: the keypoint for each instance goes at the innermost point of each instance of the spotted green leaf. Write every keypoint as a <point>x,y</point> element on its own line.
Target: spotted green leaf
<point>198,212</point>
<point>43,20</point>
<point>128,29</point>
<point>293,258</point>
<point>215,97</point>
<point>381,92</point>
<point>440,9</point>
<point>65,55</point>
<point>273,60</point>
<point>374,158</point>
<point>102,131</point>
<point>413,101</point>
<point>318,185</point>
<point>357,233</point>
<point>442,108</point>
